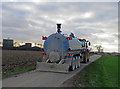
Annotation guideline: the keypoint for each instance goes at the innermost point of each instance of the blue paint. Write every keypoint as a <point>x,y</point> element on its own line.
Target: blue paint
<point>72,35</point>
<point>59,32</point>
<point>69,56</point>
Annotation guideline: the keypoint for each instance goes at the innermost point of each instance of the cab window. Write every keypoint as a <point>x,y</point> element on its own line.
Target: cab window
<point>83,44</point>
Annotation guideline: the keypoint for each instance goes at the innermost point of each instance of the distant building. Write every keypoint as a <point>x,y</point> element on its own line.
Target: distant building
<point>7,43</point>
<point>27,46</point>
<point>35,48</point>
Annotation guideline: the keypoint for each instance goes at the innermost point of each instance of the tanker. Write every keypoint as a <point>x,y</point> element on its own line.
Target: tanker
<point>63,53</point>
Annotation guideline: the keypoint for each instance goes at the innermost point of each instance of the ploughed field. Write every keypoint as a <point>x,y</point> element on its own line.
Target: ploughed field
<point>15,59</point>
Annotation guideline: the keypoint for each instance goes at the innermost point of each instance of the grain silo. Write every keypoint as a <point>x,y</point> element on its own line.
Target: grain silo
<point>7,43</point>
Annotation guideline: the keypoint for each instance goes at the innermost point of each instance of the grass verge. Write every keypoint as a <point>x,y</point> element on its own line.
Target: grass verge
<point>102,73</point>
<point>91,54</point>
<point>17,71</point>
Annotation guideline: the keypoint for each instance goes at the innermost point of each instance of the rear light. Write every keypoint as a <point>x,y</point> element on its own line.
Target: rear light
<point>84,50</point>
<point>69,38</point>
<point>44,38</point>
<point>43,53</point>
<point>68,54</point>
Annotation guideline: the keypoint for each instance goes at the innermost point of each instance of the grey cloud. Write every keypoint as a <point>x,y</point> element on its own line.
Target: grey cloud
<point>35,20</point>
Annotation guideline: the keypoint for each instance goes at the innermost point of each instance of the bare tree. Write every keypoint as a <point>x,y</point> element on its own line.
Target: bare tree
<point>99,47</point>
<point>39,45</point>
<point>35,44</point>
<point>16,44</point>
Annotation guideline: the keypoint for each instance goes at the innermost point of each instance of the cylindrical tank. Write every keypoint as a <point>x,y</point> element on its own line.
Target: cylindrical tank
<point>75,44</point>
<point>57,44</point>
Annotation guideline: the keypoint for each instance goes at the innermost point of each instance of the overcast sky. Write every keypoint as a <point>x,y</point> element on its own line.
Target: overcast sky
<point>27,22</point>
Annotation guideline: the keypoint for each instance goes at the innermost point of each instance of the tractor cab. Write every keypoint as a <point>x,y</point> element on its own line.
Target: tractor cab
<point>85,43</point>
<point>85,51</point>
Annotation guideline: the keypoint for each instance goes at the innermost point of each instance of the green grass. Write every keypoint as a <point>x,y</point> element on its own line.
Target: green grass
<point>101,73</point>
<point>17,71</point>
<point>91,54</point>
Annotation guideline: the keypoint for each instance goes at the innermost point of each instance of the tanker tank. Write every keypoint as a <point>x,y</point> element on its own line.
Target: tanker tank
<point>63,53</point>
<point>56,46</point>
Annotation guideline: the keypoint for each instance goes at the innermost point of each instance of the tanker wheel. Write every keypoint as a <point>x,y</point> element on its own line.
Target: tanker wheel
<point>72,67</point>
<point>78,62</point>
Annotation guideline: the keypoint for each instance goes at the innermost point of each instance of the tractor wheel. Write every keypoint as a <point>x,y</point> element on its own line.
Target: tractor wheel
<point>88,58</point>
<point>84,58</point>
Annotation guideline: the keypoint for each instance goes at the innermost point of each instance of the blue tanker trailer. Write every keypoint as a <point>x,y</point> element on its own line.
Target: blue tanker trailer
<point>63,53</point>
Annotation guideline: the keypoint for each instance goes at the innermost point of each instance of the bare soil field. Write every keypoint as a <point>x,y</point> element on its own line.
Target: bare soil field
<point>16,59</point>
